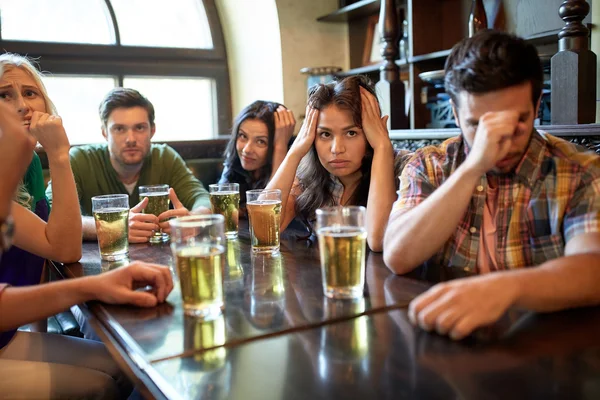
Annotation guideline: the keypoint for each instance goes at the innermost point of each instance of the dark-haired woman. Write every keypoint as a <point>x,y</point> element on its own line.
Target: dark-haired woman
<point>342,145</point>
<point>259,142</point>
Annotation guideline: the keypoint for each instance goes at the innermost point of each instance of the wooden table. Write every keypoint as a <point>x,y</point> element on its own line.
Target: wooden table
<point>280,338</point>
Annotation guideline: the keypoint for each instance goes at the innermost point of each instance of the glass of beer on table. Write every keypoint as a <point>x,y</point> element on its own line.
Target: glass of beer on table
<point>264,213</point>
<point>198,245</point>
<point>158,203</point>
<point>111,214</point>
<point>342,247</point>
<point>225,200</point>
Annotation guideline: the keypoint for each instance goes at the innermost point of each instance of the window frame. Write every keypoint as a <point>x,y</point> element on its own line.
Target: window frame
<point>120,61</point>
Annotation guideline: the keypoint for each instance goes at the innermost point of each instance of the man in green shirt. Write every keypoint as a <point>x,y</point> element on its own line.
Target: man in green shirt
<point>128,161</point>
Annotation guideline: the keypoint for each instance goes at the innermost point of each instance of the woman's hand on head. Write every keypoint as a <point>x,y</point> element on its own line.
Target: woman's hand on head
<point>307,134</point>
<point>374,126</point>
<point>49,131</point>
<point>284,126</point>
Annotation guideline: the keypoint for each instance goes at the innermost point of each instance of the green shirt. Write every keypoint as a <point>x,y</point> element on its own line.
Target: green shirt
<point>34,181</point>
<point>95,176</point>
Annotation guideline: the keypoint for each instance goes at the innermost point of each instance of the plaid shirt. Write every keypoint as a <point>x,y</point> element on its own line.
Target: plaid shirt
<point>551,197</point>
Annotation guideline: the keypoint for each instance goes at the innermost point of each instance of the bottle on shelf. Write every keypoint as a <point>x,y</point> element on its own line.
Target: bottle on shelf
<point>403,44</point>
<point>477,18</point>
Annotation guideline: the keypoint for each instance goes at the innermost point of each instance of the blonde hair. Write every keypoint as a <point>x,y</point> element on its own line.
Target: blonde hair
<point>9,61</point>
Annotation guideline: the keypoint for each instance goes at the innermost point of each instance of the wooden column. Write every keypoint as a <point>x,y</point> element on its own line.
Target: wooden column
<point>390,88</point>
<point>573,69</point>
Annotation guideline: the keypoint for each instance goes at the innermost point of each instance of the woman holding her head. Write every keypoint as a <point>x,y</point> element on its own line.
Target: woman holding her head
<point>36,365</point>
<point>342,145</point>
<point>41,236</point>
<point>259,142</point>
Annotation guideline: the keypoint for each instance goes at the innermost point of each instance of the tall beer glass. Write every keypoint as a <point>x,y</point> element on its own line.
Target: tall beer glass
<point>342,246</point>
<point>264,213</point>
<point>198,245</point>
<point>111,213</point>
<point>158,203</point>
<point>225,200</point>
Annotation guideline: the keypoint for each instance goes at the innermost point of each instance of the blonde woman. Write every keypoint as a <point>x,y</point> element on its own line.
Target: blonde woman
<point>35,365</point>
<point>40,236</point>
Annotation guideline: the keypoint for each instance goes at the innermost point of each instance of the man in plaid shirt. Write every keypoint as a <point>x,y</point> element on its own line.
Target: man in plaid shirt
<point>499,197</point>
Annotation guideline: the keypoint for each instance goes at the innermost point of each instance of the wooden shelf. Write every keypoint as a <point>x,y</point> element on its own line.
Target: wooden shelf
<point>548,37</point>
<point>361,70</point>
<point>430,56</point>
<point>368,69</point>
<point>360,9</point>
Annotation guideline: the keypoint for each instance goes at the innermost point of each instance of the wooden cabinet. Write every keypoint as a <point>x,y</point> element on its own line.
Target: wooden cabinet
<point>434,26</point>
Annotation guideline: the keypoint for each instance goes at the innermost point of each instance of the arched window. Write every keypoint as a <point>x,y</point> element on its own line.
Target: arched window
<point>172,52</point>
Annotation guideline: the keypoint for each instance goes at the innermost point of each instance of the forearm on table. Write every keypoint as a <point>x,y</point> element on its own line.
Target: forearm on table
<point>562,283</point>
<point>64,224</point>
<point>413,236</point>
<point>382,194</point>
<point>89,228</point>
<point>22,305</point>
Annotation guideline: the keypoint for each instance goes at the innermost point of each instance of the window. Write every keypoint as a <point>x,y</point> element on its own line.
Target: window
<point>183,106</point>
<point>174,55</point>
<point>145,23</point>
<point>77,99</point>
<point>64,21</point>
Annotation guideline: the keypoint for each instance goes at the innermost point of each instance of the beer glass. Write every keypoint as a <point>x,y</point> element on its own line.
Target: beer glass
<point>198,245</point>
<point>342,247</point>
<point>158,203</point>
<point>264,213</point>
<point>225,200</point>
<point>111,214</point>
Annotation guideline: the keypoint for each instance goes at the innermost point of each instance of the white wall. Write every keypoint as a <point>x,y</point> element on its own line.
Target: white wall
<point>269,41</point>
<point>253,42</point>
<point>308,43</point>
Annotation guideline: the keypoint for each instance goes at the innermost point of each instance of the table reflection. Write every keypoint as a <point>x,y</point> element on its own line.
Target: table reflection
<point>199,335</point>
<point>106,265</point>
<point>344,347</point>
<point>265,297</point>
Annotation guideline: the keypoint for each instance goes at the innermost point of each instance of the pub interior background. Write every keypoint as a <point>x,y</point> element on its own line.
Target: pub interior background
<point>201,61</point>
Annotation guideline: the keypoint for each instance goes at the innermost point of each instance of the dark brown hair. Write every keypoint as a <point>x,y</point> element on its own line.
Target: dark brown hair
<point>124,98</point>
<point>315,180</point>
<point>490,61</point>
<point>263,111</point>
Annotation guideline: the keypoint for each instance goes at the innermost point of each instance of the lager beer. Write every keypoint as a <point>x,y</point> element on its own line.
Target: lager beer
<point>265,220</point>
<point>198,245</point>
<point>112,231</point>
<point>111,214</point>
<point>158,203</point>
<point>342,248</point>
<point>227,203</point>
<point>199,269</point>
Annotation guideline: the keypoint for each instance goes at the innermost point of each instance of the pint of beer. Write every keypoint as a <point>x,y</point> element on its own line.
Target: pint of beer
<point>158,203</point>
<point>264,213</point>
<point>342,246</point>
<point>225,200</point>
<point>111,214</point>
<point>198,245</point>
